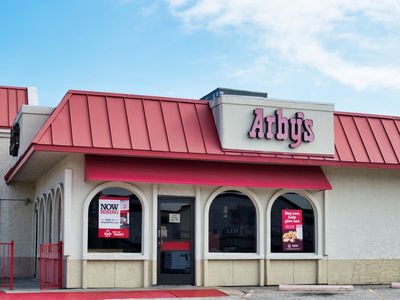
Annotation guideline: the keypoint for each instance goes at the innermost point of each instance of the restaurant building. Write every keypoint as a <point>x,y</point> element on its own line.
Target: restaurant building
<point>233,189</point>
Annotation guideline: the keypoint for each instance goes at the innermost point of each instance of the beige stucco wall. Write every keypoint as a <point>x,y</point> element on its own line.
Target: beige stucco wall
<point>16,216</point>
<point>13,212</point>
<point>363,214</point>
<point>114,274</point>
<point>233,273</point>
<point>362,217</point>
<point>291,272</point>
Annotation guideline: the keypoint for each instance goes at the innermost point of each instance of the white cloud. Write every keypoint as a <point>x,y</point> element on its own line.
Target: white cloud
<point>301,31</point>
<point>177,3</point>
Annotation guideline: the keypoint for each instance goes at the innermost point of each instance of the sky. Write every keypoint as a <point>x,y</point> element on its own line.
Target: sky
<point>336,51</point>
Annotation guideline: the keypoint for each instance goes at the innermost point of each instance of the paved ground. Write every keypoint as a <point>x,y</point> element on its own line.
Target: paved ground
<point>114,295</point>
<point>372,292</point>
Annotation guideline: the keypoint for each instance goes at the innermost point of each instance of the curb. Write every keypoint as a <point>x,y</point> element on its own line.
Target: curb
<point>395,285</point>
<point>315,288</point>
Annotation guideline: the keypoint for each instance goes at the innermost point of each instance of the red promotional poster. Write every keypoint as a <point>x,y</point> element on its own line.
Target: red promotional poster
<point>113,217</point>
<point>292,229</point>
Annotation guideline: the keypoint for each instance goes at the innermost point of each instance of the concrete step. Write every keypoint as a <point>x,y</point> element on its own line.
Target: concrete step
<point>315,288</point>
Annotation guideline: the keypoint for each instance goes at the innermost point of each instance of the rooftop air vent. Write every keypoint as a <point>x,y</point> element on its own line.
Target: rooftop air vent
<point>223,91</point>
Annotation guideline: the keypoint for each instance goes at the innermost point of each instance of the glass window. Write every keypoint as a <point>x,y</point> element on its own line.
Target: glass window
<point>292,224</point>
<point>119,227</point>
<point>232,224</point>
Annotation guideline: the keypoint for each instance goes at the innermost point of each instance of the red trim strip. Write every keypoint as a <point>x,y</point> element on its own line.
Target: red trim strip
<point>175,246</point>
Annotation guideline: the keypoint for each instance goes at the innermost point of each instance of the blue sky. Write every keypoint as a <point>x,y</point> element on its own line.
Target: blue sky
<point>343,52</point>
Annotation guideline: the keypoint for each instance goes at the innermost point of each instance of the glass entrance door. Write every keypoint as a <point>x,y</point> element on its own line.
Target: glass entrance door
<point>175,240</point>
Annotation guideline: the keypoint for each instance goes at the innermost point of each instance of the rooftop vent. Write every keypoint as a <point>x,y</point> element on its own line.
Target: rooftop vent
<point>223,91</point>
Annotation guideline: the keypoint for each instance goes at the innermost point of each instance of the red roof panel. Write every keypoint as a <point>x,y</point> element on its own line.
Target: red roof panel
<point>393,133</point>
<point>61,128</point>
<point>147,126</point>
<point>369,140</point>
<point>398,125</point>
<point>384,143</point>
<point>12,105</point>
<point>174,127</point>
<point>22,98</point>
<point>99,125</point>
<point>120,135</point>
<point>137,124</point>
<point>47,138</point>
<point>341,142</point>
<point>155,126</point>
<point>207,125</point>
<point>354,139</point>
<point>80,121</point>
<point>4,107</point>
<point>11,100</point>
<point>191,126</point>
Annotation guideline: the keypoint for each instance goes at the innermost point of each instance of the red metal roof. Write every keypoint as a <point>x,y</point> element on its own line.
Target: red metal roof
<point>171,171</point>
<point>11,100</point>
<point>147,126</point>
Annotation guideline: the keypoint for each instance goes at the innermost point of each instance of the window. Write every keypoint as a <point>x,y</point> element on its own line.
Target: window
<point>232,224</point>
<point>128,221</point>
<point>292,224</point>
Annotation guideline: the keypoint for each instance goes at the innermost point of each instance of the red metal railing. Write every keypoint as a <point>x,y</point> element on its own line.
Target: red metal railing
<point>51,266</point>
<point>7,265</point>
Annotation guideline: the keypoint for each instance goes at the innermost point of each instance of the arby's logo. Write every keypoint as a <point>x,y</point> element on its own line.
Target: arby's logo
<point>276,126</point>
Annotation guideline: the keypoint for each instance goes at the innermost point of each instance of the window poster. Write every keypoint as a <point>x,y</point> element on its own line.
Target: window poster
<point>113,217</point>
<point>292,229</point>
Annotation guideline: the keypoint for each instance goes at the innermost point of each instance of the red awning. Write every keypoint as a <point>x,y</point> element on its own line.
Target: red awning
<point>113,168</point>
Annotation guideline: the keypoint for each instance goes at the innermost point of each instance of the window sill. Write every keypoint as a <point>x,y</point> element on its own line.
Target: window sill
<point>230,256</point>
<point>114,256</point>
<point>293,256</point>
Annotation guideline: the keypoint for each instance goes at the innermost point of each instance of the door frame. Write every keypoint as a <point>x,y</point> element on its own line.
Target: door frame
<point>177,279</point>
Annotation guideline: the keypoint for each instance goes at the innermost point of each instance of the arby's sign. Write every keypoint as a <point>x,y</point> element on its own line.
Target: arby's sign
<point>274,126</point>
<point>296,129</point>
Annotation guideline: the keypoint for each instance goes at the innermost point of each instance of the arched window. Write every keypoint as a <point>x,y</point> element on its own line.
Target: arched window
<point>232,224</point>
<point>292,224</point>
<point>115,222</point>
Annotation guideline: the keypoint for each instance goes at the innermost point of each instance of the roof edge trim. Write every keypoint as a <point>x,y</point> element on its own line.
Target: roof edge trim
<point>360,114</point>
<point>214,157</point>
<point>145,97</point>
<point>18,165</point>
